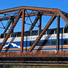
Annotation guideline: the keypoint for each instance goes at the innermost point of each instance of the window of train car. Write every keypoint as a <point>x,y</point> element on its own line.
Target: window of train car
<point>18,34</point>
<point>61,30</point>
<point>39,31</point>
<point>34,33</point>
<point>26,33</point>
<point>65,42</point>
<point>66,30</point>
<point>53,42</point>
<point>41,43</point>
<point>38,44</point>
<point>31,43</point>
<point>13,35</point>
<point>46,43</point>
<point>1,36</point>
<point>50,31</point>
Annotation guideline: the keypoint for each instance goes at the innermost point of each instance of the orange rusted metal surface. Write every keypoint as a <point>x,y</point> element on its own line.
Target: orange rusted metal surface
<point>29,8</point>
<point>35,54</point>
<point>22,33</point>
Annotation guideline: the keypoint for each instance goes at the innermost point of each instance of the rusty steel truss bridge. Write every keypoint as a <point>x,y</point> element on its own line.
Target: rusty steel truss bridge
<point>29,57</point>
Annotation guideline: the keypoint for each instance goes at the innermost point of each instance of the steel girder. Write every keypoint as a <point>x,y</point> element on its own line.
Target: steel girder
<point>43,11</point>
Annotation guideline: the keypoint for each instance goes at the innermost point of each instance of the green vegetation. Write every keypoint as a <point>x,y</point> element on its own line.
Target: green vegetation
<point>15,66</point>
<point>57,67</point>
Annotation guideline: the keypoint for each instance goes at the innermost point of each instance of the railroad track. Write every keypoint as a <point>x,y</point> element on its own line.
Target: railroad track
<point>37,61</point>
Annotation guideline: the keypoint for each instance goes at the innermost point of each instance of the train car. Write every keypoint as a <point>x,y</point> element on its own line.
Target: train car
<point>46,43</point>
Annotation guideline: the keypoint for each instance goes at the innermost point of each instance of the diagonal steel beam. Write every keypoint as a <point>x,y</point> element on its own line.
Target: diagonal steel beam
<point>12,27</point>
<point>63,17</point>
<point>7,27</point>
<point>41,34</point>
<point>33,24</point>
<point>66,26</point>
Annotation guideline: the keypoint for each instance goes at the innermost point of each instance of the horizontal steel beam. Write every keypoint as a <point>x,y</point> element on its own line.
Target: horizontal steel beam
<point>26,15</point>
<point>34,54</point>
<point>29,8</point>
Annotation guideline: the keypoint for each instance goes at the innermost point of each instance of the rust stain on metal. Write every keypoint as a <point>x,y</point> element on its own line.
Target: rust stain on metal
<point>29,8</point>
<point>22,32</point>
<point>35,54</point>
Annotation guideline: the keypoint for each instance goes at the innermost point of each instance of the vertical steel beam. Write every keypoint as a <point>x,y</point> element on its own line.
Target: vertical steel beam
<point>58,30</point>
<point>22,33</point>
<point>12,27</point>
<point>39,24</point>
<point>41,34</point>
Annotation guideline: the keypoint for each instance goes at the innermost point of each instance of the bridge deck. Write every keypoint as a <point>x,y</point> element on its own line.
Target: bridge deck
<point>35,54</point>
<point>50,58</point>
